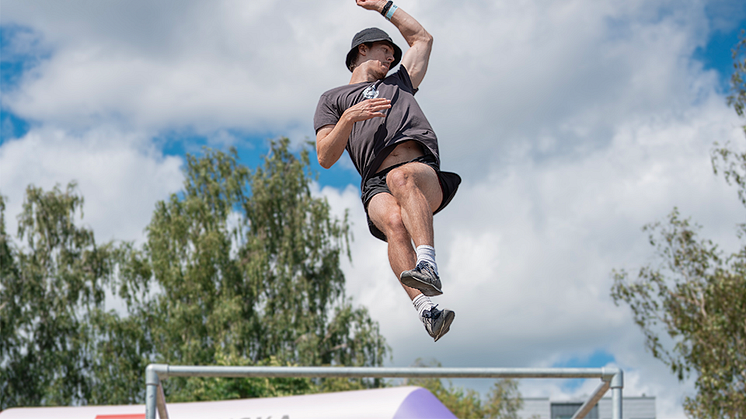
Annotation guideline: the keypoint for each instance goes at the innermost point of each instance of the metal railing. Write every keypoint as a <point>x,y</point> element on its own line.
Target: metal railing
<point>611,378</point>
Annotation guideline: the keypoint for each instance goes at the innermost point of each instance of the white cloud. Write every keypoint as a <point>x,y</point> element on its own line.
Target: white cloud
<point>246,65</point>
<point>120,176</point>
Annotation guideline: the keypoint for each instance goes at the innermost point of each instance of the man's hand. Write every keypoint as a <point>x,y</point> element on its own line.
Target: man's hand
<point>376,5</point>
<point>368,109</point>
<point>332,139</point>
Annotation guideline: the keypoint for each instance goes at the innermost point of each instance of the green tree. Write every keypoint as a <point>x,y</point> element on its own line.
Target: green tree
<point>49,290</point>
<point>239,268</point>
<point>698,298</point>
<point>247,268</point>
<point>503,401</point>
<point>696,295</point>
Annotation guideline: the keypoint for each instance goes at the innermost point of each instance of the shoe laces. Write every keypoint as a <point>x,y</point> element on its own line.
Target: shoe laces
<point>426,267</point>
<point>432,313</point>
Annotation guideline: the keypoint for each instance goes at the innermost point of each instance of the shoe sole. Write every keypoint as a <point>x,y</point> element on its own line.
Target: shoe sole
<point>426,288</point>
<point>450,315</point>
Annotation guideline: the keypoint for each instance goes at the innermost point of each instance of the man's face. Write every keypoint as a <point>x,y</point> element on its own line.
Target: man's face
<point>378,58</point>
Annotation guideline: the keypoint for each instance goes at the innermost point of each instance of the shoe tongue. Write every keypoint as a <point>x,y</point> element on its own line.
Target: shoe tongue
<point>427,268</point>
<point>433,313</point>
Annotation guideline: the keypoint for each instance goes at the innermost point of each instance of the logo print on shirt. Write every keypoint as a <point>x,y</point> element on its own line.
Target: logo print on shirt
<point>370,92</point>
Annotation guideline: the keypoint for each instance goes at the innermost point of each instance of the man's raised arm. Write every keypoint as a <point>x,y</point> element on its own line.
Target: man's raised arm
<point>420,42</point>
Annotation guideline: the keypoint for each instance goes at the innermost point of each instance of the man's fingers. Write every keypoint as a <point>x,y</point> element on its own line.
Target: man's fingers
<point>382,106</point>
<point>369,108</point>
<point>367,4</point>
<point>375,105</point>
<point>380,103</point>
<point>378,110</point>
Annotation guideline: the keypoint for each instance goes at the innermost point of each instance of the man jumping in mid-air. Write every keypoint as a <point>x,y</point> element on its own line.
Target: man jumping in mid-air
<point>377,120</point>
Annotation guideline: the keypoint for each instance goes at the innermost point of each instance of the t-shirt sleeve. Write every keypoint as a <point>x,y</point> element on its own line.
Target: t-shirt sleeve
<point>326,112</point>
<point>406,82</point>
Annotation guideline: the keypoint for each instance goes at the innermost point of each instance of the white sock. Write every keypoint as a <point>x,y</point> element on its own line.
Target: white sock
<point>422,303</point>
<point>426,253</point>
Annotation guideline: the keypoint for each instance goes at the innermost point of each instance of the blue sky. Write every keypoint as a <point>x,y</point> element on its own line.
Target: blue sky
<point>573,124</point>
<point>597,359</point>
<point>12,67</point>
<point>716,54</point>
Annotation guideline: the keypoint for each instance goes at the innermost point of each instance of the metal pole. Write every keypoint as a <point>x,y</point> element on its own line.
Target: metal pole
<point>617,383</point>
<point>152,382</point>
<point>595,397</point>
<point>375,372</point>
<point>160,403</point>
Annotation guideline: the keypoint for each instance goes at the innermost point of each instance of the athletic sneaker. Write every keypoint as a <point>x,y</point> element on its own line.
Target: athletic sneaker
<point>423,278</point>
<point>437,322</point>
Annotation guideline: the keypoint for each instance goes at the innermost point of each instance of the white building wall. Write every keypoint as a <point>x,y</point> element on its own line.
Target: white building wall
<point>537,408</point>
<point>632,408</point>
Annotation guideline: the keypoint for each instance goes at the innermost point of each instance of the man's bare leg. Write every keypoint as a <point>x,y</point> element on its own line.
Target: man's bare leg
<point>416,188</point>
<point>406,215</point>
<point>389,216</point>
<point>385,213</point>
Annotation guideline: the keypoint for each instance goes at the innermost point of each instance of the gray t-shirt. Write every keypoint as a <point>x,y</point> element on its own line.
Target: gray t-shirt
<point>372,140</point>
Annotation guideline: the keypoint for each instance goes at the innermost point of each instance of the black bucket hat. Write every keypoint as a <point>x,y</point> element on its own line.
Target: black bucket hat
<point>372,35</point>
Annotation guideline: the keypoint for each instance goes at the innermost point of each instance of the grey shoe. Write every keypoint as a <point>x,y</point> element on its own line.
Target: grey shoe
<point>423,278</point>
<point>437,322</point>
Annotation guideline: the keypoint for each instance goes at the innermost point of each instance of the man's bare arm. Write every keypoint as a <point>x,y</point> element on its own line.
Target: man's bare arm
<point>417,57</point>
<point>331,140</point>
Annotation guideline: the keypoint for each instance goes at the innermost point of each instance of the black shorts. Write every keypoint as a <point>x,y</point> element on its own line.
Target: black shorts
<point>377,184</point>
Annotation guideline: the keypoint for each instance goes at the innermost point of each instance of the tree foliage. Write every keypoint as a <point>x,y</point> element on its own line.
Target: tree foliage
<point>51,289</point>
<point>248,264</point>
<point>698,298</point>
<point>241,267</point>
<point>696,295</point>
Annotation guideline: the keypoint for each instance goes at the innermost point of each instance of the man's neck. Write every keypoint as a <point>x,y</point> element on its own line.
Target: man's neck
<point>359,75</point>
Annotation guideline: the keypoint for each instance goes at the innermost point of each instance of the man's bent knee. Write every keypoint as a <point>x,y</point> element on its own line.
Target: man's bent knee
<point>399,179</point>
<point>417,177</point>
